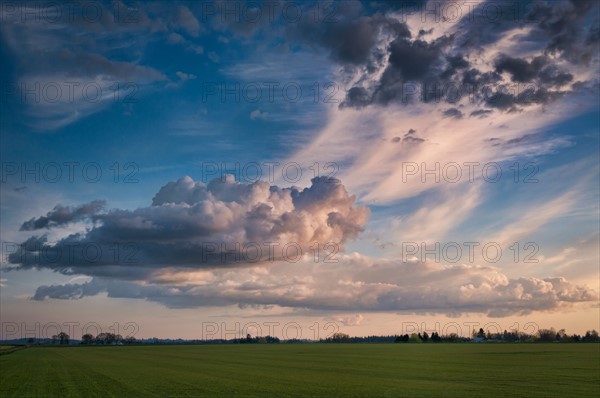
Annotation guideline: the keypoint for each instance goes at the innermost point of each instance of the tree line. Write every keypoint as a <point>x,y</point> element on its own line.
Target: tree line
<point>106,339</point>
<point>543,335</point>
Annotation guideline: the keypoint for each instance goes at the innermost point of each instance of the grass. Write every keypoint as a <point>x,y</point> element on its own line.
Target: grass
<point>294,370</point>
<point>7,349</point>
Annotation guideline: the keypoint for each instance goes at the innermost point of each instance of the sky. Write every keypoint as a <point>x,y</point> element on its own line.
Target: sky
<point>209,169</point>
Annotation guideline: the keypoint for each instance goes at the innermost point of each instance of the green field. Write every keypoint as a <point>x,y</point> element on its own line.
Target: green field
<point>293,370</point>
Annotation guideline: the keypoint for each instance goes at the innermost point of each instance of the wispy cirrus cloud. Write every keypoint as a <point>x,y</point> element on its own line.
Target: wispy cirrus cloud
<point>59,85</point>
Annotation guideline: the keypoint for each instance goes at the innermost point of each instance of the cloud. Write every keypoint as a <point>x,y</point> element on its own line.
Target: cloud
<point>185,76</point>
<point>351,320</point>
<point>189,244</point>
<point>564,24</point>
<point>453,112</point>
<point>356,283</point>
<point>388,61</point>
<point>62,215</point>
<point>258,114</point>
<point>352,138</point>
<point>193,225</point>
<point>106,55</point>
<point>576,261</point>
<point>175,38</point>
<point>85,77</point>
<point>187,21</point>
<point>524,71</point>
<point>214,57</point>
<point>481,113</point>
<point>434,218</point>
<point>197,49</point>
<point>351,39</point>
<point>67,291</point>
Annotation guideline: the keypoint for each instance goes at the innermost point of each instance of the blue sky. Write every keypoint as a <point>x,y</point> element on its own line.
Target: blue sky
<point>160,98</point>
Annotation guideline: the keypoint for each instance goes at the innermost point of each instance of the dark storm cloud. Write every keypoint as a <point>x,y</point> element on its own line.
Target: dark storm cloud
<point>67,291</point>
<point>564,22</point>
<point>423,32</point>
<point>351,38</point>
<point>568,29</point>
<point>519,69</point>
<point>408,61</point>
<point>553,76</point>
<point>412,60</point>
<point>504,99</point>
<point>62,215</point>
<point>453,112</point>
<point>481,113</point>
<point>474,77</point>
<point>537,69</point>
<point>357,97</point>
<point>455,64</point>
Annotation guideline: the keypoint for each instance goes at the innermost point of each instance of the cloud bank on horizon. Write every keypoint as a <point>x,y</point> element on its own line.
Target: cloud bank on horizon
<point>417,90</point>
<point>229,243</point>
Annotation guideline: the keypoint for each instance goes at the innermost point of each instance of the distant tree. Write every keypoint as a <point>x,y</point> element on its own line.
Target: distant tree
<point>402,338</point>
<point>510,336</point>
<point>451,338</point>
<point>101,338</point>
<point>591,336</point>
<point>481,333</point>
<point>111,338</point>
<point>415,338</point>
<point>547,335</point>
<point>87,339</point>
<point>425,337</point>
<point>557,338</point>
<point>340,337</point>
<point>129,340</point>
<point>63,338</point>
